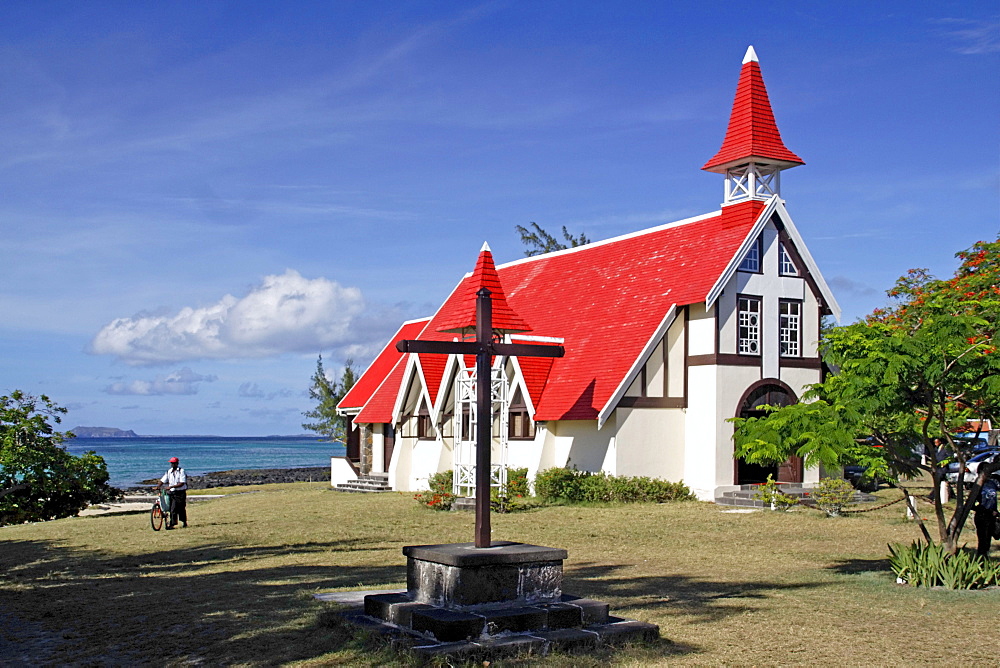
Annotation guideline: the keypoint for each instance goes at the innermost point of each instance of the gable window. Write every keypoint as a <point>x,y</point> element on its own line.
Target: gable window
<point>790,328</point>
<point>751,262</point>
<point>520,426</point>
<point>424,430</point>
<point>786,266</point>
<point>748,326</point>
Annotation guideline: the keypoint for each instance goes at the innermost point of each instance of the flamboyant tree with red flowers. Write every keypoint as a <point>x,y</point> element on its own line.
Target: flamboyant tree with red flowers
<point>907,378</point>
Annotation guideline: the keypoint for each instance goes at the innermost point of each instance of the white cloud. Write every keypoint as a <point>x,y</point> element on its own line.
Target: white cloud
<point>973,37</point>
<point>183,381</point>
<point>285,313</point>
<point>852,287</point>
<point>250,390</point>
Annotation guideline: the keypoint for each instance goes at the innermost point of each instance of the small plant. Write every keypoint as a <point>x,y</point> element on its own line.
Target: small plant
<point>440,495</point>
<point>832,494</point>
<point>930,565</point>
<point>770,494</point>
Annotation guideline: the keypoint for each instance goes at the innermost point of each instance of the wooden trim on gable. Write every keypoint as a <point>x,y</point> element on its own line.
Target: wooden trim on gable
<point>800,264</point>
<point>800,362</point>
<point>652,402</point>
<point>725,359</point>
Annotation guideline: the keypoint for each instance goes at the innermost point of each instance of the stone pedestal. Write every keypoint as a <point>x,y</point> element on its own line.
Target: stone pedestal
<point>477,603</point>
<point>460,575</point>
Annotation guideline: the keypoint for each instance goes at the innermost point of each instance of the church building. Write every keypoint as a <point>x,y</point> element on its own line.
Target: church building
<point>667,332</point>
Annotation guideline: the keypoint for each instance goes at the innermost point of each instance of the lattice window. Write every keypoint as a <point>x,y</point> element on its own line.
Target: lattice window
<point>786,266</point>
<point>748,334</point>
<point>790,328</point>
<point>751,262</point>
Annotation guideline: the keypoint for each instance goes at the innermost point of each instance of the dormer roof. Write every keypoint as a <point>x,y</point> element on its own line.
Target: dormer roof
<point>752,135</point>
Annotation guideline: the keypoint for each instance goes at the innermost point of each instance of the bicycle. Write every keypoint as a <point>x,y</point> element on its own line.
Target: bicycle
<point>160,509</point>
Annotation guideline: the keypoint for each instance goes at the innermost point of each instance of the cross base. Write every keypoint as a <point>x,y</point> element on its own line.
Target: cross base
<point>483,603</point>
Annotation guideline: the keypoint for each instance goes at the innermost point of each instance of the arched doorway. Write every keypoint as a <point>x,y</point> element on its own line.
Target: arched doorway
<point>768,392</point>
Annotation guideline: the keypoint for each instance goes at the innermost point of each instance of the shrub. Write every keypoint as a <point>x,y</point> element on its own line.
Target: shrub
<point>572,486</point>
<point>555,483</point>
<point>512,497</point>
<point>770,494</point>
<point>930,565</point>
<point>440,495</point>
<point>832,494</point>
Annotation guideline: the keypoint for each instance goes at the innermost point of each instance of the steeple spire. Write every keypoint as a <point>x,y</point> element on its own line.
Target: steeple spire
<point>461,318</point>
<point>752,154</point>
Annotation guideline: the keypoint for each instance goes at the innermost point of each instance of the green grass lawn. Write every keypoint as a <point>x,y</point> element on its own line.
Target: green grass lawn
<point>236,587</point>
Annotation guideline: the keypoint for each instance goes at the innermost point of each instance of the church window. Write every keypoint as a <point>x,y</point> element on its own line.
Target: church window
<point>425,431</point>
<point>751,262</point>
<point>748,326</point>
<point>520,426</point>
<point>786,266</point>
<point>790,328</point>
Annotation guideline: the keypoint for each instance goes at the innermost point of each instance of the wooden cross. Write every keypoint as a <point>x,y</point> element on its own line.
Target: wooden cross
<point>484,348</point>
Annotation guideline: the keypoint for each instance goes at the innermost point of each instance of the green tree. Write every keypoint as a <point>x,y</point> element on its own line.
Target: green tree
<point>539,241</point>
<point>39,480</point>
<point>327,394</point>
<point>909,376</point>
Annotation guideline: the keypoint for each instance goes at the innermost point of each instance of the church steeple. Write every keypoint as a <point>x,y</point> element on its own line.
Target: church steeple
<point>752,155</point>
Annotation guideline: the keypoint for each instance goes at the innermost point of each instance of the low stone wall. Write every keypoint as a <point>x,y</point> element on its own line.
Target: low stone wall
<point>254,477</point>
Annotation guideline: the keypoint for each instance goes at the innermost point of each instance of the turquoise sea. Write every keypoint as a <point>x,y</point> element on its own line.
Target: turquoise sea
<point>131,460</point>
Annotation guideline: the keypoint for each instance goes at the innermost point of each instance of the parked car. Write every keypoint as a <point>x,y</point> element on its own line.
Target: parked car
<point>855,475</point>
<point>971,466</point>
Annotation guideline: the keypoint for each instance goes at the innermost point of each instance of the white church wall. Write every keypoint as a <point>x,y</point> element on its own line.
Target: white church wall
<point>577,443</point>
<point>733,383</point>
<point>378,449</point>
<point>399,468</point>
<point>425,459</point>
<point>655,372</point>
<point>699,442</point>
<point>650,442</point>
<point>810,324</point>
<point>701,330</point>
<point>675,359</point>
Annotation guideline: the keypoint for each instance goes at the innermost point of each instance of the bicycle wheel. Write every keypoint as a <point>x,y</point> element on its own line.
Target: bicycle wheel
<point>156,517</point>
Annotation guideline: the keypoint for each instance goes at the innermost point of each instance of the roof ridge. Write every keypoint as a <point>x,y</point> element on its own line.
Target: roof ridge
<point>605,242</point>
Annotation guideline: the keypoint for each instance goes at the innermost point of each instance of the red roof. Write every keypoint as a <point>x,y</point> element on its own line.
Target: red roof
<point>606,300</point>
<point>752,131</point>
<point>461,313</point>
<point>379,370</point>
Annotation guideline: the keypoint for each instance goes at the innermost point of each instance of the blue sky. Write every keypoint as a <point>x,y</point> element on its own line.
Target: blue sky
<point>197,198</point>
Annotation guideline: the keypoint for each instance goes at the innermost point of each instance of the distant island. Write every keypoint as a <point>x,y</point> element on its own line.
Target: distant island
<point>103,432</point>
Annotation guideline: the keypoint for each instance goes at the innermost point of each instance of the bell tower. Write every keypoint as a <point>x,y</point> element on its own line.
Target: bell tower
<point>752,155</point>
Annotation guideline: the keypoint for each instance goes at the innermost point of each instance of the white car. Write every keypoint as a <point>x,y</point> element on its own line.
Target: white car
<point>971,467</point>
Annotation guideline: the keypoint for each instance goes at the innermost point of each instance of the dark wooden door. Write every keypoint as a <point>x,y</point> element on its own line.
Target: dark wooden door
<point>790,470</point>
<point>388,443</point>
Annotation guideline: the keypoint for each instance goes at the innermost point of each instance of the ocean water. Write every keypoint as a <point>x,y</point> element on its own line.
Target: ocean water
<point>131,460</point>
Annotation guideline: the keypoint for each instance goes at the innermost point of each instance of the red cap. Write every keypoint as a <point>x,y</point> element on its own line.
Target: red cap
<point>174,460</point>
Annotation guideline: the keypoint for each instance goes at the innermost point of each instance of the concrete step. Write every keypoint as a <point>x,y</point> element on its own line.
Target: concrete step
<point>367,484</point>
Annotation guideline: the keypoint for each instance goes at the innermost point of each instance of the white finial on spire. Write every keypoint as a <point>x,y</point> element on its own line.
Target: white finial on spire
<point>751,55</point>
<point>486,247</point>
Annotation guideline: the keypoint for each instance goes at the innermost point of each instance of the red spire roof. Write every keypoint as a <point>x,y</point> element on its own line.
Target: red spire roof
<point>752,132</point>
<point>460,314</point>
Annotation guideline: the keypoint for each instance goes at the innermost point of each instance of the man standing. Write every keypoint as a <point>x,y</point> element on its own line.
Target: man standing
<point>987,517</point>
<point>176,481</point>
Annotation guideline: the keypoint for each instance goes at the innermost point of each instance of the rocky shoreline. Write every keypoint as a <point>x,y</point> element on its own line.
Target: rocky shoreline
<point>241,477</point>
